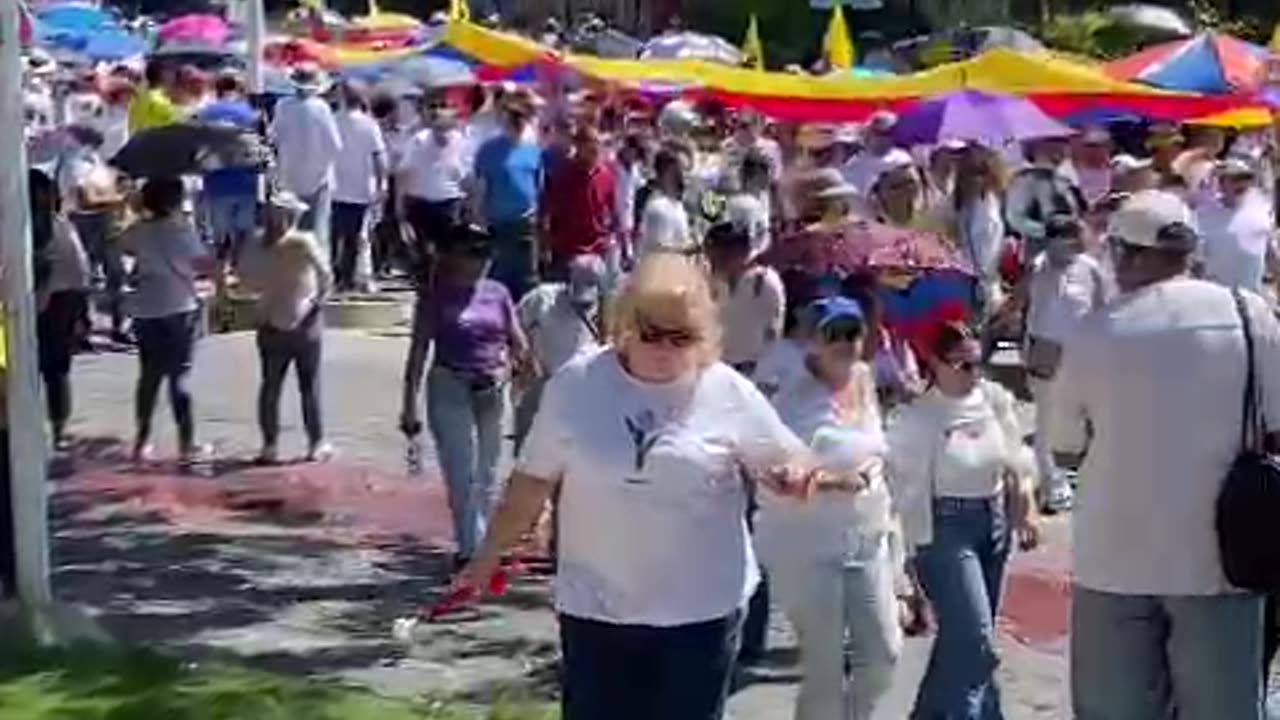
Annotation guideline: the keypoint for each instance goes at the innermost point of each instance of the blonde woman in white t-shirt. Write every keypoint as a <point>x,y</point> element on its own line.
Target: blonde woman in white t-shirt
<point>645,442</point>
<point>962,484</point>
<point>831,561</point>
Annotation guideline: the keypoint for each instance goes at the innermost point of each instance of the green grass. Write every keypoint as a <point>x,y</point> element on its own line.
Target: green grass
<point>87,683</point>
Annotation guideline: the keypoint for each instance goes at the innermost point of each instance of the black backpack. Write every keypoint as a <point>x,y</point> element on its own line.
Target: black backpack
<point>1248,508</point>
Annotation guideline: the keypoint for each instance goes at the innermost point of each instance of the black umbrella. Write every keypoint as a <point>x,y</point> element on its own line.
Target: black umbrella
<point>188,148</point>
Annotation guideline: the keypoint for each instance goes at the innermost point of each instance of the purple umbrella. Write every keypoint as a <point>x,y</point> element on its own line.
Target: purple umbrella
<point>976,117</point>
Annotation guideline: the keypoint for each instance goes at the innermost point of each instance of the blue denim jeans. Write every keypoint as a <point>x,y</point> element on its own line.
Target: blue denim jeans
<point>350,236</point>
<point>1140,657</point>
<point>639,672</point>
<point>961,572</point>
<point>232,221</point>
<point>515,256</point>
<point>465,418</point>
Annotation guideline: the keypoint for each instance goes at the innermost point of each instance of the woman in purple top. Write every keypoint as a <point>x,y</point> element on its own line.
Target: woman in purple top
<point>472,323</point>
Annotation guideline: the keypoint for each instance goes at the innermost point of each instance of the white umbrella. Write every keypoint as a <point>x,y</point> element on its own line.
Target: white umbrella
<point>1152,17</point>
<point>691,46</point>
<point>429,71</point>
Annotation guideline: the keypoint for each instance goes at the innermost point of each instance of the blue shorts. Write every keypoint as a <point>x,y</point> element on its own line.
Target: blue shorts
<point>232,220</point>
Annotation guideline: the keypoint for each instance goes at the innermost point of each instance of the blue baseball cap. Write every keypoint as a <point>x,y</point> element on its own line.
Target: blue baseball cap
<point>830,309</point>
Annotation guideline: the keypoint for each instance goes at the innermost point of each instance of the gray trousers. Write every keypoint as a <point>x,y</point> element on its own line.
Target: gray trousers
<point>1142,657</point>
<point>278,350</point>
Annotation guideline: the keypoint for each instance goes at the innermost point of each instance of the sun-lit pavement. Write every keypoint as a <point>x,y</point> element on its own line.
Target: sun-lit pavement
<point>305,567</point>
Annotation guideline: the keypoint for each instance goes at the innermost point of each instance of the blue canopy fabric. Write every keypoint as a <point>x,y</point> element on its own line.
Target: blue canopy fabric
<point>74,16</point>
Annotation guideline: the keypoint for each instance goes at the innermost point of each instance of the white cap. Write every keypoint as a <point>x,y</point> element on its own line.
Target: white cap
<point>1235,166</point>
<point>895,159</point>
<point>1154,219</point>
<point>285,200</point>
<point>882,121</point>
<point>1124,163</point>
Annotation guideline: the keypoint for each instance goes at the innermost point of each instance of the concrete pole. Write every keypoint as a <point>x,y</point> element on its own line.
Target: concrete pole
<point>28,445</point>
<point>256,31</point>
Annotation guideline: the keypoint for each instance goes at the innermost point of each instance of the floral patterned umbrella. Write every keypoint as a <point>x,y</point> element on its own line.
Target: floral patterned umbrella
<point>861,246</point>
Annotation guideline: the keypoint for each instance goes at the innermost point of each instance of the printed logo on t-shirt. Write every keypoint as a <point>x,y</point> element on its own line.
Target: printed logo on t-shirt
<point>642,427</point>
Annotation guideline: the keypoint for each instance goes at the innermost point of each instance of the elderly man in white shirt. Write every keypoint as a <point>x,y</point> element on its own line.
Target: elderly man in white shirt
<point>433,176</point>
<point>1237,228</point>
<point>562,321</point>
<point>307,142</point>
<point>1065,285</point>
<point>1152,390</point>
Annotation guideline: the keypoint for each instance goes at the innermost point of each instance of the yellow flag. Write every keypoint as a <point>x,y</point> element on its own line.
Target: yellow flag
<point>459,11</point>
<point>1275,40</point>
<point>752,48</point>
<point>837,44</point>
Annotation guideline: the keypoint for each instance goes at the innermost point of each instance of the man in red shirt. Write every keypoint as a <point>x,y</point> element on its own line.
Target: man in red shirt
<point>578,208</point>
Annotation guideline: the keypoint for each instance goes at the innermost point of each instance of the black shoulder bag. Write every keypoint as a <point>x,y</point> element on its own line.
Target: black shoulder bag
<point>1248,506</point>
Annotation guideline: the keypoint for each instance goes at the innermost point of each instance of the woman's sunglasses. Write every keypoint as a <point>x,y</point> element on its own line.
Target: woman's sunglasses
<point>842,331</point>
<point>678,338</point>
<point>963,365</point>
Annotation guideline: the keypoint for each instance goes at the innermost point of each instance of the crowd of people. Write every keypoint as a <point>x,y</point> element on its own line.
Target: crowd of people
<point>686,409</point>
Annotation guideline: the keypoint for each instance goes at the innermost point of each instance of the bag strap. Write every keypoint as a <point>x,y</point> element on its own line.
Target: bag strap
<point>1251,417</point>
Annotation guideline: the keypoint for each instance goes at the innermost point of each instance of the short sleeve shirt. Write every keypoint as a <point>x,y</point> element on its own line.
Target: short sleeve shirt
<point>652,502</point>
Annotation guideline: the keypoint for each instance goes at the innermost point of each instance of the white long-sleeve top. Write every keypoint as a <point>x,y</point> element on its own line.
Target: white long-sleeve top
<point>952,447</point>
<point>833,526</point>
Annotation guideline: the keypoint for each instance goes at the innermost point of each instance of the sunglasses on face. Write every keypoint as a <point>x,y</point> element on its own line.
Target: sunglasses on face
<point>678,338</point>
<point>964,365</point>
<point>842,331</point>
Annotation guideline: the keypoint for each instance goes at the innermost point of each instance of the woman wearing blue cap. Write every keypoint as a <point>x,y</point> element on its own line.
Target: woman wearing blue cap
<point>830,559</point>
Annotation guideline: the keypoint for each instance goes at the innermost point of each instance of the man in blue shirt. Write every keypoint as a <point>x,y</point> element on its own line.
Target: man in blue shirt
<point>230,194</point>
<point>508,174</point>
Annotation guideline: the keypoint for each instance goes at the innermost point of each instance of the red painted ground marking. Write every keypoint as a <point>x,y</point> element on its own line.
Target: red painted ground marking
<point>347,503</point>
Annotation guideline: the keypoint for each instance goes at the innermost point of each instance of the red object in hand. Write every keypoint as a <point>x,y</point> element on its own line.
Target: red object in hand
<point>466,595</point>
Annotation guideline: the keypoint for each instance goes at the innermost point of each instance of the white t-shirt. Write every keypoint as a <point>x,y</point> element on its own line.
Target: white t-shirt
<point>751,313</point>
<point>356,168</point>
<point>652,502</point>
<point>830,526</point>
<point>435,172</point>
<point>1152,385</point>
<point>1061,296</point>
<point>629,181</point>
<point>115,129</point>
<point>307,144</point>
<point>780,364</point>
<point>752,212</point>
<point>1234,241</point>
<point>165,251</point>
<point>664,226</point>
<point>557,332</point>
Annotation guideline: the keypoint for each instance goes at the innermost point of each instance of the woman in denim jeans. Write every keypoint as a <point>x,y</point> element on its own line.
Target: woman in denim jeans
<point>471,321</point>
<point>166,309</point>
<point>962,484</point>
<point>644,442</point>
<point>292,277</point>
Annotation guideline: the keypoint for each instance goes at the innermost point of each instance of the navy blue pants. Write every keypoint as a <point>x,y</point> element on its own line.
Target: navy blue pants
<point>165,349</point>
<point>640,672</point>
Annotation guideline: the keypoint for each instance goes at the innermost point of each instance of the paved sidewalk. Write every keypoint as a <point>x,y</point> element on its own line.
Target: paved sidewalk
<point>305,567</point>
